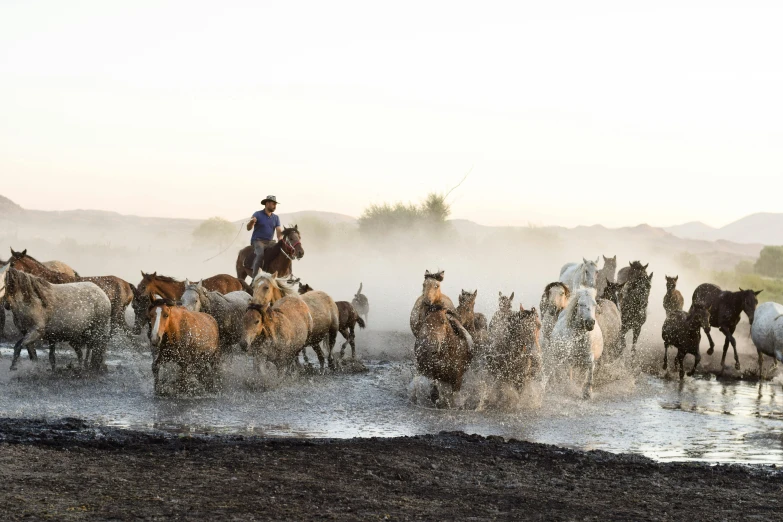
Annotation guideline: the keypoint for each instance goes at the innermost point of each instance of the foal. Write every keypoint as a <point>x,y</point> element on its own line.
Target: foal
<point>672,301</point>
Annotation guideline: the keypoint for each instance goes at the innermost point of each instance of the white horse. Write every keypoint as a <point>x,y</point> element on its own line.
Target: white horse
<point>767,332</point>
<point>577,275</point>
<point>577,339</point>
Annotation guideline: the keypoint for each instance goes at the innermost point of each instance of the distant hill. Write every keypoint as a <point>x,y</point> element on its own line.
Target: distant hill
<point>765,228</point>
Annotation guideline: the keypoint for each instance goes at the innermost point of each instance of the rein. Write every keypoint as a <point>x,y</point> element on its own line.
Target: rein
<point>285,242</point>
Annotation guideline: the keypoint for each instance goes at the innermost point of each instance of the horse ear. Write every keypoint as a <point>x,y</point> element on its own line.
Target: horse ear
<point>650,277</point>
<point>645,266</point>
<point>511,297</point>
<point>597,259</point>
<point>741,290</point>
<point>426,273</point>
<point>154,273</point>
<point>757,293</point>
<point>274,276</point>
<point>584,261</point>
<point>630,263</point>
<point>187,282</point>
<point>24,252</point>
<point>200,283</point>
<point>360,288</point>
<point>475,293</point>
<point>521,308</point>
<point>676,278</point>
<point>500,294</point>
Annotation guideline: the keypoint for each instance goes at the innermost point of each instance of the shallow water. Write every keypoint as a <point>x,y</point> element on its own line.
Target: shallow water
<point>700,419</point>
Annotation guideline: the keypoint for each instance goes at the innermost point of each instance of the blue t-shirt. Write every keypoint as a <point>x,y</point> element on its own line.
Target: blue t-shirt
<point>265,226</point>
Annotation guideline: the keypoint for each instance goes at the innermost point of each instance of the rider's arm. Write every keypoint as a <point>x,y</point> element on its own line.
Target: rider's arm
<point>251,223</point>
<point>279,231</point>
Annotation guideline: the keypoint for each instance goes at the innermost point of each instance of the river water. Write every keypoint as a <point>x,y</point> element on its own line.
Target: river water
<point>699,419</point>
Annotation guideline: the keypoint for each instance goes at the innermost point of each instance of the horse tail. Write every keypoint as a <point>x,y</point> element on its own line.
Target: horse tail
<point>360,321</point>
<point>246,287</point>
<point>460,331</point>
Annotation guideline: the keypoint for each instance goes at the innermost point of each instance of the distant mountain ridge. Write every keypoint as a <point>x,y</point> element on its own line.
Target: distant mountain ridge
<point>765,228</point>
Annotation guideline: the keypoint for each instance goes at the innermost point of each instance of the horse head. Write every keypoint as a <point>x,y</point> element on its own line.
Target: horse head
<point>612,292</point>
<point>589,273</point>
<point>750,302</point>
<point>265,289</point>
<point>671,283</point>
<point>467,299</point>
<point>699,316</point>
<point>584,309</point>
<point>303,289</point>
<point>192,296</point>
<point>256,324</point>
<point>159,315</point>
<point>431,287</point>
<point>610,263</point>
<point>292,242</point>
<point>504,303</point>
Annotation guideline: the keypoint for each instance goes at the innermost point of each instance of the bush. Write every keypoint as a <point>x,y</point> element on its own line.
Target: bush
<point>745,267</point>
<point>770,262</point>
<point>382,219</point>
<point>215,231</point>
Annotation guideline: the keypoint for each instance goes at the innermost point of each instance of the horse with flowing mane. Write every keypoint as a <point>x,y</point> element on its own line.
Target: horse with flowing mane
<point>76,313</point>
<point>278,258</point>
<point>227,309</point>
<point>431,296</point>
<point>553,301</point>
<point>577,275</point>
<point>577,339</point>
<point>277,332</point>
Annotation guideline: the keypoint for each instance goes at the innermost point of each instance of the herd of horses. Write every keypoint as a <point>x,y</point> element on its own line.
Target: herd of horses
<point>583,317</point>
<point>192,324</point>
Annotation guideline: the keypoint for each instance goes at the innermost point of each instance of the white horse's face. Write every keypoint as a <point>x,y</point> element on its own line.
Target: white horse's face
<point>190,299</point>
<point>590,273</point>
<point>585,311</point>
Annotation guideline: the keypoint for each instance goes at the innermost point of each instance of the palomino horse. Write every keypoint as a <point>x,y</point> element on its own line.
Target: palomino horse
<point>553,301</point>
<point>190,339</point>
<point>59,266</point>
<point>431,296</point>
<point>683,331</point>
<point>606,274</point>
<point>577,339</point>
<point>170,288</point>
<point>443,347</point>
<point>474,323</point>
<point>360,303</point>
<point>119,291</point>
<point>672,301</point>
<point>76,313</point>
<point>633,308</point>
<point>278,258</point>
<point>577,275</point>
<point>349,318</point>
<point>268,288</point>
<point>725,309</point>
<point>228,310</point>
<point>767,332</point>
<point>517,358</point>
<point>277,332</point>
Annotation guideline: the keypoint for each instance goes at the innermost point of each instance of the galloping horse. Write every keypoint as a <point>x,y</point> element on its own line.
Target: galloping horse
<point>278,332</point>
<point>170,288</point>
<point>634,270</point>
<point>767,332</point>
<point>190,339</point>
<point>431,296</point>
<point>683,331</point>
<point>228,310</point>
<point>278,258</point>
<point>553,301</point>
<point>349,318</point>
<point>517,358</point>
<point>577,275</point>
<point>577,339</point>
<point>119,291</point>
<point>633,308</point>
<point>725,309</point>
<point>76,313</point>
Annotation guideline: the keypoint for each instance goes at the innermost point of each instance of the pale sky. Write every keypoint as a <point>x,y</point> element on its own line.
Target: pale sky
<point>570,112</point>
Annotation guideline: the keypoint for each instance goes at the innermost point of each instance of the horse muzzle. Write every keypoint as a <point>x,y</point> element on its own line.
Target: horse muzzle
<point>589,324</point>
<point>243,345</point>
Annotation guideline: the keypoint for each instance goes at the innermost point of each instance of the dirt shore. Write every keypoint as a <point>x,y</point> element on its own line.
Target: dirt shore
<point>67,470</point>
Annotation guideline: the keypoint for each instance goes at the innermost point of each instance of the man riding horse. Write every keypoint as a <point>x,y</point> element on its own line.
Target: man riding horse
<point>265,225</point>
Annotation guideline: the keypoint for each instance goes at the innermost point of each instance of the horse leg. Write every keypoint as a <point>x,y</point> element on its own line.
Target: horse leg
<point>155,374</point>
<point>27,342</point>
<point>330,342</point>
<point>696,360</point>
<point>623,341</point>
<point>681,363</point>
<point>734,346</point>
<point>712,343</point>
<point>588,389</point>
<point>725,332</point>
<point>434,392</point>
<point>665,356</point>
<point>353,343</point>
<point>637,331</point>
<point>761,365</point>
<point>51,355</point>
<point>345,332</point>
<point>79,355</point>
<point>319,353</point>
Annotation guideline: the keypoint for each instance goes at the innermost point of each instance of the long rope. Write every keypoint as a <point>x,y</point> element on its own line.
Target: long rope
<point>229,245</point>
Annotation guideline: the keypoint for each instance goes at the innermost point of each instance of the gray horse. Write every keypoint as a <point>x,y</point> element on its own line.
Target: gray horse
<point>76,313</point>
<point>228,310</point>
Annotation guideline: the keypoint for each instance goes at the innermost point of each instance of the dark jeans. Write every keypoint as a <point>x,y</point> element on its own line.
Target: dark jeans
<point>259,245</point>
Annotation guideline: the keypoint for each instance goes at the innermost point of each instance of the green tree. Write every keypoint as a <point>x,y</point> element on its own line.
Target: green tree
<point>770,262</point>
<point>432,213</point>
<point>215,231</point>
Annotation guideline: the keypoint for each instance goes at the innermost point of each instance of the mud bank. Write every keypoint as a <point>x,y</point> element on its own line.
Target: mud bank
<point>69,470</point>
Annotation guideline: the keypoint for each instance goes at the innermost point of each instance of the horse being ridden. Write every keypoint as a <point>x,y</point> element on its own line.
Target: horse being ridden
<point>277,258</point>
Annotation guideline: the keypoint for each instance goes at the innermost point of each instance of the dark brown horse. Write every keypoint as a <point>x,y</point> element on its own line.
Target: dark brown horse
<point>672,301</point>
<point>633,308</point>
<point>119,291</point>
<point>475,323</point>
<point>725,309</point>
<point>278,258</point>
<point>683,331</point>
<point>349,318</point>
<point>634,270</point>
<point>612,292</point>
<point>169,288</point>
<point>516,359</point>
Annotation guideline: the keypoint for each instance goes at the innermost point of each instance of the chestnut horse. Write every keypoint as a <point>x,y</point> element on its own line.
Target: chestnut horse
<point>119,291</point>
<point>277,332</point>
<point>170,288</point>
<point>430,296</point>
<point>278,258</point>
<point>190,339</point>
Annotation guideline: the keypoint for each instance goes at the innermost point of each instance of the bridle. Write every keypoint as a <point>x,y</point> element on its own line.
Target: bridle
<point>292,246</point>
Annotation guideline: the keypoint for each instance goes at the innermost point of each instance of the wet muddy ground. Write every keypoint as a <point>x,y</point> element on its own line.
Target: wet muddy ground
<point>69,470</point>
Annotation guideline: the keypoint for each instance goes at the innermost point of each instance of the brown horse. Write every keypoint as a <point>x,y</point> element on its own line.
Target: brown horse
<point>517,358</point>
<point>672,301</point>
<point>431,296</point>
<point>190,339</point>
<point>278,258</point>
<point>634,270</point>
<point>474,323</point>
<point>170,288</point>
<point>277,332</point>
<point>498,326</point>
<point>606,274</point>
<point>119,291</point>
<point>349,318</point>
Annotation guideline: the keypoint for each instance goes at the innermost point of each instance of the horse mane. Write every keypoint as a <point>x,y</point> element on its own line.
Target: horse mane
<point>437,276</point>
<point>289,230</point>
<point>286,286</point>
<point>637,265</point>
<point>162,278</point>
<point>30,286</point>
<point>162,301</point>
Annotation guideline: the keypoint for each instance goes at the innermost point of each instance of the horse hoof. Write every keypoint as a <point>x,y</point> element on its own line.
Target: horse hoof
<point>711,351</point>
<point>737,366</point>
<point>14,368</point>
<point>588,393</point>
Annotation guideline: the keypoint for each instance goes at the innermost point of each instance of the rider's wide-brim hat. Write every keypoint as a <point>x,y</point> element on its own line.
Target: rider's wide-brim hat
<point>269,198</point>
